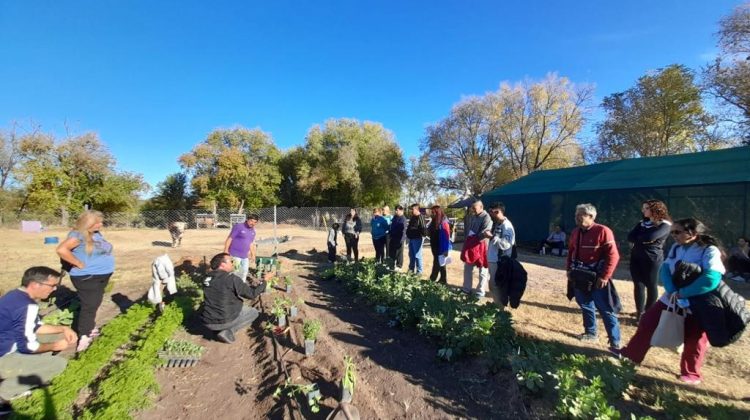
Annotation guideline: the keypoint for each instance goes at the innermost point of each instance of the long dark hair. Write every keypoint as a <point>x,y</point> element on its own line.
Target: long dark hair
<point>437,217</point>
<point>696,227</point>
<point>349,215</point>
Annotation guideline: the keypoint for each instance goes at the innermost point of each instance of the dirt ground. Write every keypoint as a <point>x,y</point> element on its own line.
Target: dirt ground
<point>399,374</point>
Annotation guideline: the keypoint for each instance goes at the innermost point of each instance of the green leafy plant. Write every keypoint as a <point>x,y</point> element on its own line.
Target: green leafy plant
<point>182,348</point>
<point>311,329</point>
<point>130,384</point>
<point>349,380</point>
<point>287,281</point>
<point>278,308</point>
<point>531,381</point>
<point>56,401</point>
<point>308,391</point>
<point>59,317</point>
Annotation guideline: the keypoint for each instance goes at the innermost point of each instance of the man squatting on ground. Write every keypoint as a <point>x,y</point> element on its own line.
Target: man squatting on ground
<point>25,343</point>
<point>240,245</point>
<point>223,291</point>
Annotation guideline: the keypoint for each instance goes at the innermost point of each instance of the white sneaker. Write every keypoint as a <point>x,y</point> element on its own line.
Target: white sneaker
<point>83,343</point>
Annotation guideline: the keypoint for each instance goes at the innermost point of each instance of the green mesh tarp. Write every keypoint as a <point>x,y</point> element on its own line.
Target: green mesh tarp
<point>711,186</point>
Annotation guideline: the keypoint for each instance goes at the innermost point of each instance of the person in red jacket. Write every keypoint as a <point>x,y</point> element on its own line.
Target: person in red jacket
<point>592,246</point>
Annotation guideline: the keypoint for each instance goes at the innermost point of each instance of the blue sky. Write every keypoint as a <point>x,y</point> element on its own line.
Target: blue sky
<point>154,78</point>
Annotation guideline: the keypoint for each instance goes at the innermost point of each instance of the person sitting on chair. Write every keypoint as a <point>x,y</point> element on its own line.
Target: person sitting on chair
<point>224,291</point>
<point>555,240</point>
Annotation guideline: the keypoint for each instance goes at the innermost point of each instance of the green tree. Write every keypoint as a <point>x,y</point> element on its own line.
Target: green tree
<point>728,77</point>
<point>235,165</point>
<point>172,194</point>
<point>290,167</point>
<point>61,177</point>
<point>347,162</point>
<point>661,115</point>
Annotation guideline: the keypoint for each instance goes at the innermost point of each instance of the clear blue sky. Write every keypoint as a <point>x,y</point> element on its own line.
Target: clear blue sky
<point>154,78</point>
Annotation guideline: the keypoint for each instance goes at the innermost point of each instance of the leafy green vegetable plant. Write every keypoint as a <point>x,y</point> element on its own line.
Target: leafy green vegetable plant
<point>311,329</point>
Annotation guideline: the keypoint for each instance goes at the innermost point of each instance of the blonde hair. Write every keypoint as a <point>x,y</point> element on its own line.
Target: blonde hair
<point>87,219</point>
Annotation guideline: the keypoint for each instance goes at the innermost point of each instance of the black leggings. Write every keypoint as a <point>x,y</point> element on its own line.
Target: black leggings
<point>90,293</point>
<point>352,243</point>
<point>437,269</point>
<point>645,273</point>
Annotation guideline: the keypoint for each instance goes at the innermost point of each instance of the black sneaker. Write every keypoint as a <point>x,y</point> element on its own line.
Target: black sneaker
<point>226,336</point>
<point>5,408</point>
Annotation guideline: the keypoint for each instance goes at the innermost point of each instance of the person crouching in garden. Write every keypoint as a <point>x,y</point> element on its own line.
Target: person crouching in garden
<point>692,245</point>
<point>591,261</point>
<point>223,291</point>
<point>26,343</point>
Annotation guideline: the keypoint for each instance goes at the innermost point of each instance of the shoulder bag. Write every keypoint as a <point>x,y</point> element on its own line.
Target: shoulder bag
<point>582,277</point>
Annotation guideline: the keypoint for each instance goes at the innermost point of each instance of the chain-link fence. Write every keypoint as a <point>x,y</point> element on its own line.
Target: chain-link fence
<point>306,217</point>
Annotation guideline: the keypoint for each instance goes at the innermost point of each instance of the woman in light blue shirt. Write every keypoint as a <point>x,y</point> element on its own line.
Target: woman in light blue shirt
<point>92,264</point>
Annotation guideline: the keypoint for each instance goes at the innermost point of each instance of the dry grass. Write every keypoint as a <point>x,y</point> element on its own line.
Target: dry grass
<point>545,312</point>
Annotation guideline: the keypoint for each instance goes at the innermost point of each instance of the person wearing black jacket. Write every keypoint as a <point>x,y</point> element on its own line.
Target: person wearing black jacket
<point>223,291</point>
<point>416,230</point>
<point>397,238</point>
<point>647,254</point>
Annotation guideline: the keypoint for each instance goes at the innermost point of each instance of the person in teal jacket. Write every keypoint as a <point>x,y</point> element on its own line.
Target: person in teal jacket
<point>693,245</point>
<point>379,229</point>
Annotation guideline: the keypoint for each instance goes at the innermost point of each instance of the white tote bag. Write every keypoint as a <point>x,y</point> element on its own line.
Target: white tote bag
<point>670,333</point>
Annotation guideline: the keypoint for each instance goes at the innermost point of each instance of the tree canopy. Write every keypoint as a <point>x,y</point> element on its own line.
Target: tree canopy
<point>661,115</point>
<point>728,77</point>
<point>344,162</point>
<point>233,165</point>
<point>63,176</point>
<point>508,134</point>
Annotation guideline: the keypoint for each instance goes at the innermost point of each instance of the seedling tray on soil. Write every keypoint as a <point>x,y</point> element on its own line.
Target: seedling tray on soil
<point>172,360</point>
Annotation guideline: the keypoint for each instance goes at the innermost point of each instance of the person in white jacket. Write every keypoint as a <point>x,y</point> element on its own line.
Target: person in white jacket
<point>502,238</point>
<point>162,273</point>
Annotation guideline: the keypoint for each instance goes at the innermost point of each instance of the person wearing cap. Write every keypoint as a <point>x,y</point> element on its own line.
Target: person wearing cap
<point>26,343</point>
<point>240,245</point>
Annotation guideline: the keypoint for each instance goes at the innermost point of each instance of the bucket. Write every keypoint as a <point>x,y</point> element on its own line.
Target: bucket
<point>51,240</point>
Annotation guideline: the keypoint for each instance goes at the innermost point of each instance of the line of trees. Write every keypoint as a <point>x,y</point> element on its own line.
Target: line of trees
<point>483,142</point>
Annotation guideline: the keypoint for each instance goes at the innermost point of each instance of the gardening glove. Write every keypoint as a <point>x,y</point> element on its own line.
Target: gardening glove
<point>685,273</point>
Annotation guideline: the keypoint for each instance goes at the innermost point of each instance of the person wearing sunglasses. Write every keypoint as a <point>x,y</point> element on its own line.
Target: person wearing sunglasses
<point>693,245</point>
<point>26,343</point>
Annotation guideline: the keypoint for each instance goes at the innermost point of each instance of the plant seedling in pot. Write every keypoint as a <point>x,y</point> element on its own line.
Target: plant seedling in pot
<point>294,306</point>
<point>288,284</point>
<point>310,330</point>
<point>278,309</point>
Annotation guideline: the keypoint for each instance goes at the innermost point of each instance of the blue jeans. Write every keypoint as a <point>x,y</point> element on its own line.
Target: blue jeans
<point>242,266</point>
<point>415,255</point>
<point>589,303</point>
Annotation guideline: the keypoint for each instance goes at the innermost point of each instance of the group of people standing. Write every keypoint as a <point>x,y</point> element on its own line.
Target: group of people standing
<point>392,233</point>
<point>691,274</point>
